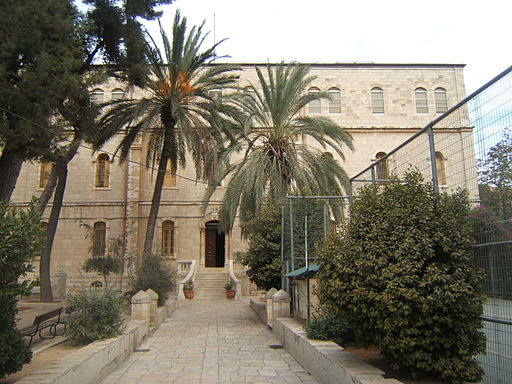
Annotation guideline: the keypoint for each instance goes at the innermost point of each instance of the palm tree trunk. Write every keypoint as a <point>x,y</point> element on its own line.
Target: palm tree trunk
<point>157,193</point>
<point>10,167</point>
<point>44,266</point>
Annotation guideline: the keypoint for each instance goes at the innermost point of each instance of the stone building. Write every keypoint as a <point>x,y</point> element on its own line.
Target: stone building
<point>381,105</point>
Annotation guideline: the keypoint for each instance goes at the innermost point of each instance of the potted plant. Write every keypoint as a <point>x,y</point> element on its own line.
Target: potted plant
<point>230,291</point>
<point>188,289</point>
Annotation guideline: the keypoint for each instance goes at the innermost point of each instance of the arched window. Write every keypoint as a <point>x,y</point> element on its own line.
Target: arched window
<point>168,238</point>
<point>102,171</point>
<point>441,100</point>
<point>99,238</point>
<point>377,100</point>
<point>335,101</point>
<point>382,167</point>
<point>420,94</point>
<point>97,96</point>
<point>169,178</point>
<point>314,106</point>
<point>440,165</point>
<point>117,94</point>
<point>44,173</point>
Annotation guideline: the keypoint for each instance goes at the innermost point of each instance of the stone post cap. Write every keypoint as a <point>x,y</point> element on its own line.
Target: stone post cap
<point>270,293</point>
<point>281,296</point>
<point>141,297</point>
<point>152,294</point>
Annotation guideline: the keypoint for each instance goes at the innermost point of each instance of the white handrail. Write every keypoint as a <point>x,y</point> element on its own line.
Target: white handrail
<point>191,275</point>
<point>237,282</point>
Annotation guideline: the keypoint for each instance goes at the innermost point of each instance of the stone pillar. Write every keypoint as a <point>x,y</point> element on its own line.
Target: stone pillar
<point>268,297</point>
<point>59,284</point>
<point>141,306</point>
<point>280,304</point>
<point>153,304</point>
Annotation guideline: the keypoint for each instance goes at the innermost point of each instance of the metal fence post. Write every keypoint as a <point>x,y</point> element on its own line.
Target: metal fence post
<point>283,279</point>
<point>433,165</point>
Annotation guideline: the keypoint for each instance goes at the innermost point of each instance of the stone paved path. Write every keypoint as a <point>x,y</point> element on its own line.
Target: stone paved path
<point>210,342</point>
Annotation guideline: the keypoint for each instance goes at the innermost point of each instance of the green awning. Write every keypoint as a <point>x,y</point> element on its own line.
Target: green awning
<point>305,272</point>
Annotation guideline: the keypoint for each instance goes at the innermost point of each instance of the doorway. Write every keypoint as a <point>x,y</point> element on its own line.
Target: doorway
<point>215,245</point>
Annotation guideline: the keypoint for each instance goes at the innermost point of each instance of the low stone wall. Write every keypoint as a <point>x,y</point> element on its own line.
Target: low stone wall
<point>325,360</point>
<point>260,309</point>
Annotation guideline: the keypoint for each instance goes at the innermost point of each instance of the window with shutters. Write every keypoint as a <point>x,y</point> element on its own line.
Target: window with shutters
<point>314,106</point>
<point>97,96</point>
<point>420,95</point>
<point>168,238</point>
<point>377,100</point>
<point>170,177</point>
<point>441,100</point>
<point>102,171</point>
<point>99,238</point>
<point>44,173</point>
<point>382,166</point>
<point>117,94</point>
<point>440,165</point>
<point>335,100</point>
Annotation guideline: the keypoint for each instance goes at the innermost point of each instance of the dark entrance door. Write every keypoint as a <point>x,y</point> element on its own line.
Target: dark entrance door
<point>214,248</point>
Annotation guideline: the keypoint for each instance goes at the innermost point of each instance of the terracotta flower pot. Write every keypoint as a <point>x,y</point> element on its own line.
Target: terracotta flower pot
<point>230,294</point>
<point>189,294</point>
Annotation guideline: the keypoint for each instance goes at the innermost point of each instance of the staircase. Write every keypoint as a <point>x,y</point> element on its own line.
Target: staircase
<point>209,284</point>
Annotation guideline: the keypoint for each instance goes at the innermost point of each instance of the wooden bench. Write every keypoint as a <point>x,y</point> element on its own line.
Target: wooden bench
<point>49,320</point>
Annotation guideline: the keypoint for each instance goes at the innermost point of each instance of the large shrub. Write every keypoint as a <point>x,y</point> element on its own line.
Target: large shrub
<point>95,314</point>
<point>20,240</point>
<point>402,273</point>
<point>154,274</point>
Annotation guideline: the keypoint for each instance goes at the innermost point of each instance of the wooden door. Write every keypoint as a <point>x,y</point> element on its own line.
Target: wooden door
<point>211,246</point>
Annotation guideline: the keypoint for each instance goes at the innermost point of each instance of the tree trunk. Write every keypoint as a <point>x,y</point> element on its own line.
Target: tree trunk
<point>157,193</point>
<point>10,167</point>
<point>44,266</point>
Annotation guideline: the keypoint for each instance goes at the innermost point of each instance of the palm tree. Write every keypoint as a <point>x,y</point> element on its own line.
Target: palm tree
<point>180,114</point>
<point>273,158</point>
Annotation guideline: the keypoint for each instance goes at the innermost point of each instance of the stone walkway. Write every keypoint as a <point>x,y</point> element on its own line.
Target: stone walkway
<point>210,342</point>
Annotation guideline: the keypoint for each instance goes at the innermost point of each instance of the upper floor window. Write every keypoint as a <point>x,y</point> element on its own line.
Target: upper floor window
<point>382,166</point>
<point>99,236</point>
<point>314,106</point>
<point>102,171</point>
<point>441,171</point>
<point>335,101</point>
<point>420,95</point>
<point>170,177</point>
<point>97,96</point>
<point>117,94</point>
<point>44,173</point>
<point>377,100</point>
<point>168,238</point>
<point>441,100</point>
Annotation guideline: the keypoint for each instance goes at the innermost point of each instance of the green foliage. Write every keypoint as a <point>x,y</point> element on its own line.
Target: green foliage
<point>327,326</point>
<point>402,273</point>
<point>95,314</point>
<point>152,273</point>
<point>228,286</point>
<point>188,285</point>
<point>20,241</point>
<point>103,265</point>
<point>263,257</point>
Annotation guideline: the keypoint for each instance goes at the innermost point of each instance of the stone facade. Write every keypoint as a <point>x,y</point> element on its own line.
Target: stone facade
<point>124,204</point>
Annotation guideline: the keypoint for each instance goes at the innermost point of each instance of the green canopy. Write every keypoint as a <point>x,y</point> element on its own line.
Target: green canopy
<point>306,272</point>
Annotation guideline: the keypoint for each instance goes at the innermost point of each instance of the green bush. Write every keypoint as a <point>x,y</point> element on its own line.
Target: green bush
<point>152,273</point>
<point>20,240</point>
<point>327,326</point>
<point>94,315</point>
<point>103,265</point>
<point>402,273</point>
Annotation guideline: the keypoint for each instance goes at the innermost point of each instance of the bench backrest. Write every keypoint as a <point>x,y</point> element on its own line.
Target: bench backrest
<point>48,315</point>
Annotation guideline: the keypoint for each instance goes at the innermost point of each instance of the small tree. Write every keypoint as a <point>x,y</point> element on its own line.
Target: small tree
<point>402,272</point>
<point>152,273</point>
<point>112,262</point>
<point>20,240</point>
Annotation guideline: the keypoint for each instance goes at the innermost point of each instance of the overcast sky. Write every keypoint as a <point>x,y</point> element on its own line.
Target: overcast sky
<point>394,31</point>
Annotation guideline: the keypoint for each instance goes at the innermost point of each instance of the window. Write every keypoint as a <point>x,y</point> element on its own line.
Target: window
<point>314,106</point>
<point>44,173</point>
<point>382,167</point>
<point>335,102</point>
<point>168,238</point>
<point>377,100</point>
<point>420,95</point>
<point>441,100</point>
<point>117,94</point>
<point>97,96</point>
<point>98,238</point>
<point>169,178</point>
<point>102,171</point>
<point>441,173</point>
